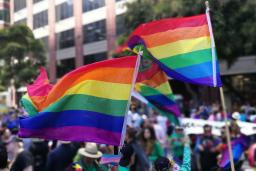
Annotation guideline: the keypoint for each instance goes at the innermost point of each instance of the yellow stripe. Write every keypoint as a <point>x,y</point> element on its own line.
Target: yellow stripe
<point>164,88</point>
<point>116,91</point>
<point>179,47</point>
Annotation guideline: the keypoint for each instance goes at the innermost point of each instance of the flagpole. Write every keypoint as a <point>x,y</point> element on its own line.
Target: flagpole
<point>221,88</point>
<point>129,101</point>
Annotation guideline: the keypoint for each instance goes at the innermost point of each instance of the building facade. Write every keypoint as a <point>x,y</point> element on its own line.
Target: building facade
<point>4,13</point>
<point>74,32</point>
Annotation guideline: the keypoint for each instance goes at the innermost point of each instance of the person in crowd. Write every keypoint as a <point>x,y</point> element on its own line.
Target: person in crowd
<point>39,149</point>
<point>160,133</point>
<point>127,159</point>
<point>21,160</point>
<point>165,164</point>
<point>134,118</point>
<point>141,161</point>
<point>150,144</point>
<point>177,140</point>
<point>61,157</point>
<point>3,158</point>
<point>88,159</point>
<point>207,149</point>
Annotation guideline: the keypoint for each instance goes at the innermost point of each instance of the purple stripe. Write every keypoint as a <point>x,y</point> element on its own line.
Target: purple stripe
<point>73,133</point>
<point>173,108</point>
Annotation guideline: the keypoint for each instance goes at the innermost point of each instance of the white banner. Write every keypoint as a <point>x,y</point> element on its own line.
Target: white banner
<point>195,126</point>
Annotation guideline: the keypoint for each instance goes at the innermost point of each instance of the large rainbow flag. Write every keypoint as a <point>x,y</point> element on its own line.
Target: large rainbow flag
<point>87,104</point>
<point>182,47</point>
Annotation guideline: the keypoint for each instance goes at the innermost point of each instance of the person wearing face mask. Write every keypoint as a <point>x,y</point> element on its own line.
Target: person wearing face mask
<point>150,144</point>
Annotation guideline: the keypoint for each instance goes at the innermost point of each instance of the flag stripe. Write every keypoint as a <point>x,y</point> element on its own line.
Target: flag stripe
<point>74,133</point>
<point>191,71</point>
<point>160,99</point>
<point>161,38</point>
<point>191,58</point>
<point>74,118</point>
<point>89,103</point>
<point>157,79</point>
<point>180,47</point>
<point>169,24</point>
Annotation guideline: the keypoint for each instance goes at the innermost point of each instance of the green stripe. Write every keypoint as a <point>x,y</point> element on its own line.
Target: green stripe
<point>148,91</point>
<point>90,103</point>
<point>28,106</point>
<point>188,59</point>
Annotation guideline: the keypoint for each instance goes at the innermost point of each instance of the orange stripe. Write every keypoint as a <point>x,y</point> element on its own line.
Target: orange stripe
<point>38,101</point>
<point>170,36</point>
<point>101,74</point>
<point>158,79</point>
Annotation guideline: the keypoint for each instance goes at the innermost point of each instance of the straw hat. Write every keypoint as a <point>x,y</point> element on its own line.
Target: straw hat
<point>90,150</point>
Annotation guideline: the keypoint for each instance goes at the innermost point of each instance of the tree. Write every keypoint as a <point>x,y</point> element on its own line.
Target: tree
<point>20,55</point>
<point>234,23</point>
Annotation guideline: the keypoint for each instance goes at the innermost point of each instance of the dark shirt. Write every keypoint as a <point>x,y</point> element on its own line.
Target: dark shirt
<point>23,160</point>
<point>61,157</point>
<point>39,150</point>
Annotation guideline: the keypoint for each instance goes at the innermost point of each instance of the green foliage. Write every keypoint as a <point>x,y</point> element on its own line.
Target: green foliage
<point>233,21</point>
<point>20,55</point>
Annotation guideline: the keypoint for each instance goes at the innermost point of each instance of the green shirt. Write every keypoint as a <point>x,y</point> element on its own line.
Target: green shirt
<point>121,168</point>
<point>157,152</point>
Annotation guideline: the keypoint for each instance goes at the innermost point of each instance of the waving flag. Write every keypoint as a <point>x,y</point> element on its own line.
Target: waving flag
<point>87,104</point>
<point>182,47</point>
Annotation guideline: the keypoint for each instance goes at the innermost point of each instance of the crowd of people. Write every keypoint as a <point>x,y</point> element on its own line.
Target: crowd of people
<point>151,142</point>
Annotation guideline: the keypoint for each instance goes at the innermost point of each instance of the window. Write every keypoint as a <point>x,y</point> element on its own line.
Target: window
<point>45,42</point>
<point>22,21</point>
<point>64,10</point>
<point>65,39</point>
<point>35,1</point>
<point>40,19</point>
<point>5,15</point>
<point>19,4</point>
<point>64,66</point>
<point>89,5</point>
<point>95,31</point>
<point>95,58</point>
<point>120,27</point>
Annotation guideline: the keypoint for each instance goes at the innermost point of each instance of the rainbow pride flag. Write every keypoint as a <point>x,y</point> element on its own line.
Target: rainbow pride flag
<point>152,83</point>
<point>182,48</point>
<point>87,104</point>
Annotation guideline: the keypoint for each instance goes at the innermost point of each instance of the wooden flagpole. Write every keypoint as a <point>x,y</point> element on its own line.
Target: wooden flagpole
<point>221,89</point>
<point>227,130</point>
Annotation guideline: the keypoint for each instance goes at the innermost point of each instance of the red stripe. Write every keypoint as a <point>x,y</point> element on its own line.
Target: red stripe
<point>170,24</point>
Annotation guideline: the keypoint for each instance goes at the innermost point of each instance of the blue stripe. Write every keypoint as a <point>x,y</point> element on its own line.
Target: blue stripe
<point>161,100</point>
<point>73,118</point>
<point>197,71</point>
